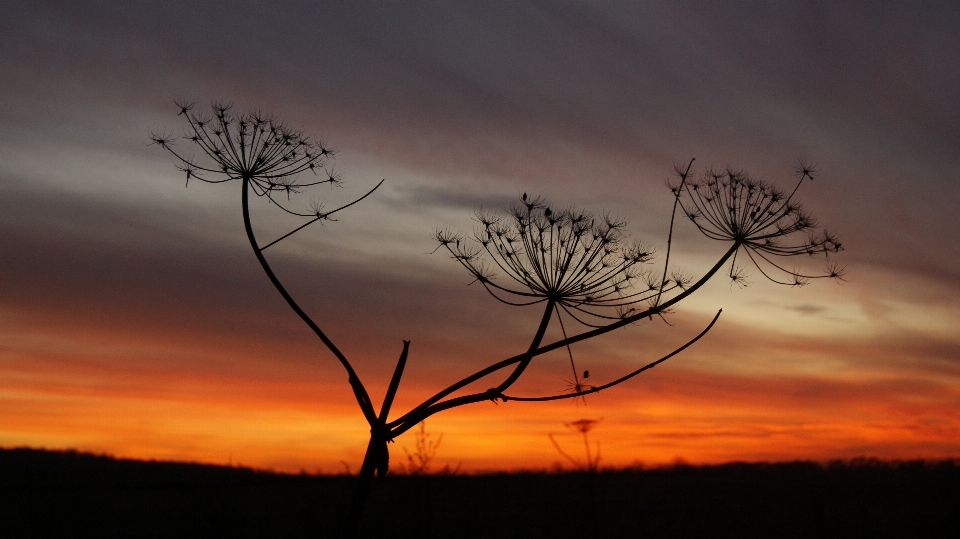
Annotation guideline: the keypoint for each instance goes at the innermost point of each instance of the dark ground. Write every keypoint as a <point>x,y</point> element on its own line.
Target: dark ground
<point>69,494</point>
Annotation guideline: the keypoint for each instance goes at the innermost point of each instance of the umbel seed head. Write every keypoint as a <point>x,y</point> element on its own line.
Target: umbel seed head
<point>765,222</point>
<point>248,146</point>
<point>532,253</point>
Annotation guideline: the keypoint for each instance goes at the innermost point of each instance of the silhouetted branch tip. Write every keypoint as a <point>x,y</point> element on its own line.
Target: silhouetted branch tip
<point>164,140</point>
<point>808,170</point>
<point>184,105</point>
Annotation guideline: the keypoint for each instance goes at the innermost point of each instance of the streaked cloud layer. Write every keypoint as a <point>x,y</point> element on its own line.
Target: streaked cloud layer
<point>134,320</point>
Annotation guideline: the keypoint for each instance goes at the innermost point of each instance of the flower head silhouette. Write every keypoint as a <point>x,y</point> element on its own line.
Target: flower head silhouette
<point>533,254</point>
<point>254,147</point>
<point>730,205</point>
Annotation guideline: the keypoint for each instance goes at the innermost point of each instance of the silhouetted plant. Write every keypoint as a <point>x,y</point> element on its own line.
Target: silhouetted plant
<point>589,467</point>
<point>592,462</point>
<point>571,262</point>
<point>425,450</point>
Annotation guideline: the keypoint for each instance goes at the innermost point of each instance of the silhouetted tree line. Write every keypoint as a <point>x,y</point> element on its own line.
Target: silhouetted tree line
<point>67,494</point>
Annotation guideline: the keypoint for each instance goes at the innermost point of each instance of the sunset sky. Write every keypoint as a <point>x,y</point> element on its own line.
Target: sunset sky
<point>135,320</point>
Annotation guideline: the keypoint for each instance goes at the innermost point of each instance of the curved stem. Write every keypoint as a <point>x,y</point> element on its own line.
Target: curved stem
<point>424,411</point>
<point>434,404</point>
<point>622,379</point>
<point>525,360</point>
<point>673,215</point>
<point>363,399</point>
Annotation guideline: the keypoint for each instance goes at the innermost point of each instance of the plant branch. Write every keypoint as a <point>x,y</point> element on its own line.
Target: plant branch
<point>320,217</point>
<point>673,215</point>
<point>434,404</point>
<point>622,379</point>
<point>394,384</point>
<point>525,360</point>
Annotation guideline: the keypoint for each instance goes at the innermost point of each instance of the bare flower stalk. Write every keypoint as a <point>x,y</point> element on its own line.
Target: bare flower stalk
<point>583,426</point>
<point>574,264</point>
<point>419,461</point>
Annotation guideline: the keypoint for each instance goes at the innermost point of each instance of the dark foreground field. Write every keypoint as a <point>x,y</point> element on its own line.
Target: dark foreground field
<point>66,494</point>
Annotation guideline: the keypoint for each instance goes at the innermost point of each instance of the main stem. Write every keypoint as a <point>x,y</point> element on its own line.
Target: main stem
<point>376,452</point>
<point>351,528</point>
<point>586,444</point>
<point>363,399</point>
<point>377,457</point>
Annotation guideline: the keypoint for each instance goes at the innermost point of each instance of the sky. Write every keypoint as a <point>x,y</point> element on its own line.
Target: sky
<point>135,320</point>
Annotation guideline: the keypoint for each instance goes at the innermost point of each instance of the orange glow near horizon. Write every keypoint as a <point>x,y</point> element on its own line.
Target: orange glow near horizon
<point>290,421</point>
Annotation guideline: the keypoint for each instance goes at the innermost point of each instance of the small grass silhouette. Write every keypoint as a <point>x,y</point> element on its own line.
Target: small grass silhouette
<point>425,450</point>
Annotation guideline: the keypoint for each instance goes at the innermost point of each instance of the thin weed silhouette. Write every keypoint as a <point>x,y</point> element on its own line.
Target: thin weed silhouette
<point>425,450</point>
<point>592,462</point>
<point>588,467</point>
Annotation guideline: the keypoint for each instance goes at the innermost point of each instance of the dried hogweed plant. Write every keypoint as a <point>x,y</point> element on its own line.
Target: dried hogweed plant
<point>574,264</point>
<point>589,467</point>
<point>592,462</point>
